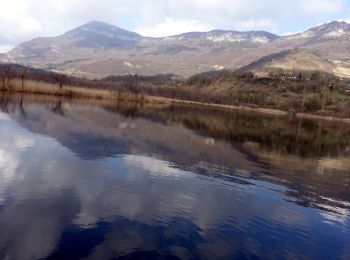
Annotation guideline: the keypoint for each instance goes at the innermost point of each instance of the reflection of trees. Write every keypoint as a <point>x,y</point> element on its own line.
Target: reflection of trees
<point>56,107</point>
<point>21,109</point>
<point>300,137</point>
<point>295,136</point>
<point>126,109</point>
<point>6,104</point>
<point>10,105</point>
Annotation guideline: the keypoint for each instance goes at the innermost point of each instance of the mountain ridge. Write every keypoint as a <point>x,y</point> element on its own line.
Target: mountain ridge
<point>98,49</point>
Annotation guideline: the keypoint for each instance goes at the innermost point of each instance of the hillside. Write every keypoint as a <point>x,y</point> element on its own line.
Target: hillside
<point>289,60</point>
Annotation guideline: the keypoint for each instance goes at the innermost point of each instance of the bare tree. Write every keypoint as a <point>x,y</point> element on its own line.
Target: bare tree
<point>5,75</point>
<point>60,78</point>
<point>2,77</point>
<point>8,72</point>
<point>304,93</point>
<point>316,78</point>
<point>324,97</point>
<point>23,73</point>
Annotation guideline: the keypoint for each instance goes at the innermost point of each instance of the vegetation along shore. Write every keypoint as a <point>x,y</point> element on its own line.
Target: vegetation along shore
<point>312,94</point>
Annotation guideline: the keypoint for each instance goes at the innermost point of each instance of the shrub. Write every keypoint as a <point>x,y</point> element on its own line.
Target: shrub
<point>313,104</point>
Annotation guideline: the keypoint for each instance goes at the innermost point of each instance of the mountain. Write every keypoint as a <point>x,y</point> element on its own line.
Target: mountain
<point>101,35</point>
<point>322,38</point>
<point>93,35</point>
<point>333,31</point>
<point>98,49</point>
<point>221,36</point>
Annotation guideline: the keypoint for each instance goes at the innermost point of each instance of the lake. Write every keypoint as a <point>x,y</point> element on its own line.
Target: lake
<point>96,180</point>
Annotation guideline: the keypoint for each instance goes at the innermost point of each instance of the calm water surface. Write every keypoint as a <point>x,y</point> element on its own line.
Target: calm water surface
<point>100,181</point>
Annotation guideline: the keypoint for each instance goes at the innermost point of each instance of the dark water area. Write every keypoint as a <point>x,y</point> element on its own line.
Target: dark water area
<point>84,180</point>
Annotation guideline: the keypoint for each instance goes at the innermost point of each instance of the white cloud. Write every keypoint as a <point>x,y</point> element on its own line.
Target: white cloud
<point>5,48</point>
<point>172,27</point>
<point>8,166</point>
<point>156,167</point>
<point>344,20</point>
<point>16,23</point>
<point>4,117</point>
<point>291,33</point>
<point>321,7</point>
<point>13,143</point>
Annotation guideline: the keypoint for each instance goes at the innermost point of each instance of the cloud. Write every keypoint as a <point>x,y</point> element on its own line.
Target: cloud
<point>344,20</point>
<point>22,20</point>
<point>171,27</point>
<point>156,167</point>
<point>8,166</point>
<point>321,7</point>
<point>5,48</point>
<point>16,23</point>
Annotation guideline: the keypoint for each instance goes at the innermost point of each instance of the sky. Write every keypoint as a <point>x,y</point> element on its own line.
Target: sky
<point>23,20</point>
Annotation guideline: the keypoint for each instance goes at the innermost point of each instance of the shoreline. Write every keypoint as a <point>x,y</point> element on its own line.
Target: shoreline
<point>267,111</point>
<point>41,88</point>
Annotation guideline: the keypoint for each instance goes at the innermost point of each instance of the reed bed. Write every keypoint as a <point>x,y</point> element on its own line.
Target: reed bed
<point>40,87</point>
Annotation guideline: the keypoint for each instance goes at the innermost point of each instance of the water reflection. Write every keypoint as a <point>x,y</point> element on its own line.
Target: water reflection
<point>81,180</point>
